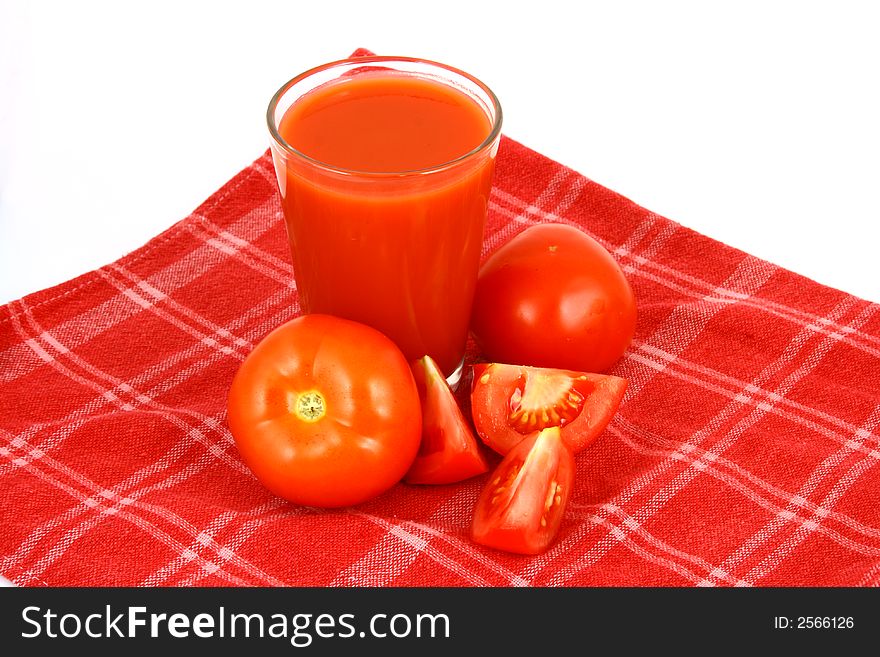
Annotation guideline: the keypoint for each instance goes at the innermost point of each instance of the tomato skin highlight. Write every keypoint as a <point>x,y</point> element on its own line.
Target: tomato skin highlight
<point>522,506</point>
<point>449,452</point>
<point>585,403</point>
<point>553,297</point>
<point>325,412</point>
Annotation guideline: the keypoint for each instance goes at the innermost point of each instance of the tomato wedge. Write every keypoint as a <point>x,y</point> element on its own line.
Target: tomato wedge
<point>449,452</point>
<point>521,508</point>
<point>509,402</point>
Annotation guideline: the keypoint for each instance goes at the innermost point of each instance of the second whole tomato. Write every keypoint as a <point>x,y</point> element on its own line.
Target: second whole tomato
<point>553,297</point>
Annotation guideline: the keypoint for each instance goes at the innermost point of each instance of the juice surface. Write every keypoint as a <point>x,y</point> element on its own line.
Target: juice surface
<point>400,253</point>
<point>385,123</point>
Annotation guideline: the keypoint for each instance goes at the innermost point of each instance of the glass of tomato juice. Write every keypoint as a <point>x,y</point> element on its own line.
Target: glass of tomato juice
<point>384,165</point>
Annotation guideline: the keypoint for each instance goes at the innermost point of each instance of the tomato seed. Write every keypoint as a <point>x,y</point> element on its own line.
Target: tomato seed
<point>310,406</point>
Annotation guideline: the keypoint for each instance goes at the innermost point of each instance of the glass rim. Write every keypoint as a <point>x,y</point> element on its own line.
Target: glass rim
<point>382,59</point>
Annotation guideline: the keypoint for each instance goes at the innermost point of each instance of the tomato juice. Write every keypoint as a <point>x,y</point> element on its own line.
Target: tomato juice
<point>384,167</point>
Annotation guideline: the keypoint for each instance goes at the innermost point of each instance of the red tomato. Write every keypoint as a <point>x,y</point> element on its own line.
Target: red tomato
<point>325,412</point>
<point>509,402</point>
<point>448,452</point>
<point>521,508</point>
<point>553,297</point>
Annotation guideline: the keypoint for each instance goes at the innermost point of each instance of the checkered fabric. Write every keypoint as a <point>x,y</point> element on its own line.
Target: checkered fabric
<point>745,452</point>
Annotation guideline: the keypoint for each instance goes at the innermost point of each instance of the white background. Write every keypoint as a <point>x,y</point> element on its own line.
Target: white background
<point>753,122</point>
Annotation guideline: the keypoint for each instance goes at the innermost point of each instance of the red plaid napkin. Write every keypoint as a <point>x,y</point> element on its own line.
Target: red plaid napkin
<point>745,452</point>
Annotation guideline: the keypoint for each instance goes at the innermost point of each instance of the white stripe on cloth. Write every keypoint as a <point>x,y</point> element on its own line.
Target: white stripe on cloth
<point>585,512</point>
<point>252,256</point>
<point>158,373</point>
<point>224,552</point>
<point>675,334</point>
<point>653,552</point>
<point>177,274</point>
<point>212,423</point>
<point>744,393</point>
<point>165,309</point>
<point>99,514</point>
<point>817,477</point>
<point>208,327</point>
<point>739,480</point>
<point>244,533</point>
<point>126,398</point>
<point>402,543</point>
<point>871,577</point>
<point>173,276</point>
<point>812,525</point>
<point>731,473</point>
<point>667,492</point>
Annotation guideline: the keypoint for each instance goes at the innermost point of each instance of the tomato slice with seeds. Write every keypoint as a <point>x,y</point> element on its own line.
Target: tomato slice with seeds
<point>510,401</point>
<point>521,508</point>
<point>448,452</point>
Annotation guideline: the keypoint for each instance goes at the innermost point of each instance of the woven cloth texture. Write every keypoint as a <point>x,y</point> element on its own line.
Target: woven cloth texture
<point>745,452</point>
